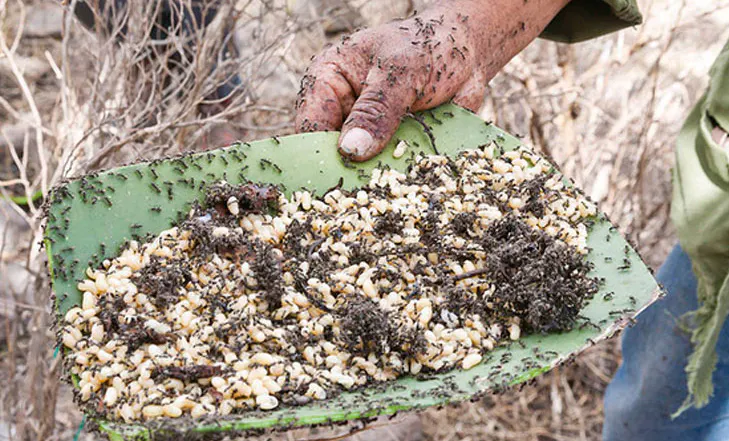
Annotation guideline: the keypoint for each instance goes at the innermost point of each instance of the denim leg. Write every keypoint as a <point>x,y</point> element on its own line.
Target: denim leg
<point>651,383</point>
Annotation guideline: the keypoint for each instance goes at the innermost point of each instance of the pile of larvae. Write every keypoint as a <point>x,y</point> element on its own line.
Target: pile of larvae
<point>257,301</point>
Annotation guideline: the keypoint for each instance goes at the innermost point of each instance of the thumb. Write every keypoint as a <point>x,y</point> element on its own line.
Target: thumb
<point>472,93</point>
<point>375,116</point>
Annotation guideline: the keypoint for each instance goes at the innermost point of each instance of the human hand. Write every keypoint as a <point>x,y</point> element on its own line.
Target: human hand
<point>369,81</point>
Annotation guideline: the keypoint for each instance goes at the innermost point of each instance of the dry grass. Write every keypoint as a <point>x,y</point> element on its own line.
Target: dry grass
<point>607,111</point>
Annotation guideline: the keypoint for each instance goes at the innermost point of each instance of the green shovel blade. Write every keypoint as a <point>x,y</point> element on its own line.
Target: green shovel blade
<point>91,218</point>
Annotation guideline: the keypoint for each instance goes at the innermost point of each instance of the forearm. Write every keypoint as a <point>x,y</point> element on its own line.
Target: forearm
<point>496,30</point>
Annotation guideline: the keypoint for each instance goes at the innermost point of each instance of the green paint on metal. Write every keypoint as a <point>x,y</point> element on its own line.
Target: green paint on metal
<point>140,199</point>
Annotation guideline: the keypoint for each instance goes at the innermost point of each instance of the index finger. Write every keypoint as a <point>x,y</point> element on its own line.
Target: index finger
<point>330,87</point>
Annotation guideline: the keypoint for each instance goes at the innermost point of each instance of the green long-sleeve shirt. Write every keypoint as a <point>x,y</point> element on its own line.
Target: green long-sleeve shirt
<point>700,206</point>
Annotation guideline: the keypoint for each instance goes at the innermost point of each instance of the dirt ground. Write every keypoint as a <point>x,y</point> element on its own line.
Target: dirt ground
<point>606,110</point>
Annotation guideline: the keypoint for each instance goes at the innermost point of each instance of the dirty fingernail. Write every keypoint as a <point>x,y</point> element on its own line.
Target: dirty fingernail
<point>356,142</point>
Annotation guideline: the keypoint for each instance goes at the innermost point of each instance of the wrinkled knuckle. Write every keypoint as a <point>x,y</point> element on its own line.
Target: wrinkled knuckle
<point>372,102</point>
<point>370,111</point>
<point>332,75</point>
<point>322,63</point>
<point>331,69</point>
<point>370,121</point>
<point>327,79</point>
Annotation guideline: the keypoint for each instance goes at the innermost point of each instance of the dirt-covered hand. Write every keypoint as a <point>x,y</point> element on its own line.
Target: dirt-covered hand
<point>367,82</point>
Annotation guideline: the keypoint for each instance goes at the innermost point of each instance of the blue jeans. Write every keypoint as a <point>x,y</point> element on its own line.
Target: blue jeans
<point>651,383</point>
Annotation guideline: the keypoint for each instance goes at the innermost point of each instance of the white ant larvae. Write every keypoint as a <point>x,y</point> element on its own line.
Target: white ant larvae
<point>266,402</point>
<point>110,396</point>
<point>471,360</point>
<point>400,149</point>
<point>233,207</point>
<point>347,246</point>
<point>172,411</point>
<point>152,411</point>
